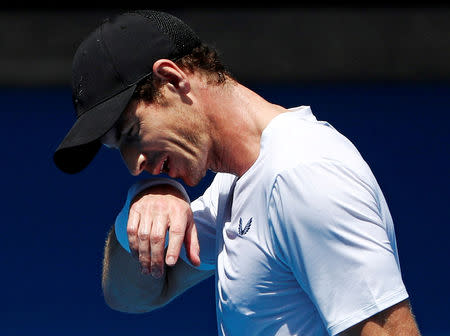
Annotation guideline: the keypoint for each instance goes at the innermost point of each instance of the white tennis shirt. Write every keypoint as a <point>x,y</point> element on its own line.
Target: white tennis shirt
<point>303,243</point>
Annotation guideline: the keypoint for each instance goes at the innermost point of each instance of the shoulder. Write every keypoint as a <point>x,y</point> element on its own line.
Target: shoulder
<point>296,137</point>
<point>294,145</point>
<point>327,180</point>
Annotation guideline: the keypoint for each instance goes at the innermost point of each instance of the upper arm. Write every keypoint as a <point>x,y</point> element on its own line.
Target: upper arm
<point>397,320</point>
<point>126,289</point>
<point>329,231</point>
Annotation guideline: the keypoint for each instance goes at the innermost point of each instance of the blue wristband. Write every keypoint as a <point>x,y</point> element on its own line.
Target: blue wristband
<point>122,217</point>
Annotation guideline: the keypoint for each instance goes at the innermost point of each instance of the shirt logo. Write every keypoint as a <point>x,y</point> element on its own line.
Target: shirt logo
<point>246,228</point>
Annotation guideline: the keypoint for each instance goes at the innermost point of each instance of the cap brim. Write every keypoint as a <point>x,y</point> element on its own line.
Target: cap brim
<point>82,142</point>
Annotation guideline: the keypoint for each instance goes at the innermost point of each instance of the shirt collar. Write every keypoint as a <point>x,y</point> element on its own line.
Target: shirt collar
<point>304,112</point>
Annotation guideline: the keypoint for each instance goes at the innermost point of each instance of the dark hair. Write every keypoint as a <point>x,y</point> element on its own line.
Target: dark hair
<point>202,58</point>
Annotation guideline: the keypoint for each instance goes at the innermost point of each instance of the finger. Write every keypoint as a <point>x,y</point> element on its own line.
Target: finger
<point>157,240</point>
<point>144,244</point>
<point>132,232</point>
<point>192,244</point>
<point>177,231</point>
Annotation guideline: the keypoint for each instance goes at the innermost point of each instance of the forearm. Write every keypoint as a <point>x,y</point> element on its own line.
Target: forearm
<point>125,288</point>
<point>397,320</point>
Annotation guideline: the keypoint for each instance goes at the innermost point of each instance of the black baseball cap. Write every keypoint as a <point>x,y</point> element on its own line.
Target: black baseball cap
<point>107,67</point>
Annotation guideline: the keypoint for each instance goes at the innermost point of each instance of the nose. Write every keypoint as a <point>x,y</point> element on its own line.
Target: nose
<point>134,160</point>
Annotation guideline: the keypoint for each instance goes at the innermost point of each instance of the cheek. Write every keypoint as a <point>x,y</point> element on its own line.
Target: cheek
<point>150,141</point>
<point>131,157</point>
<point>128,152</point>
<point>176,139</point>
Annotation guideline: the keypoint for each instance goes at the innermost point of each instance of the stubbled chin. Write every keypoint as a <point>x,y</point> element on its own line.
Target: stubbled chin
<point>190,183</point>
<point>193,180</point>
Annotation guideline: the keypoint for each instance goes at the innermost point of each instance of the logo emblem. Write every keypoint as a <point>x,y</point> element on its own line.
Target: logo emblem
<point>246,228</point>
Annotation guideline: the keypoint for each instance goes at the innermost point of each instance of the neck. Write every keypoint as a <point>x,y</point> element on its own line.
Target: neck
<point>238,117</point>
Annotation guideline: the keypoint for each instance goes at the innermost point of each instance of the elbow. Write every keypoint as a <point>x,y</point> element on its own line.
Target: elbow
<point>131,304</point>
<point>125,306</point>
<point>124,288</point>
<point>114,301</point>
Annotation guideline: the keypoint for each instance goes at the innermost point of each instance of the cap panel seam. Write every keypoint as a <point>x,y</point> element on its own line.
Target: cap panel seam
<point>108,55</point>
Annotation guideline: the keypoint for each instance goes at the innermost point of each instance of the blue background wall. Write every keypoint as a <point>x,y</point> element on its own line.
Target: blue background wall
<point>54,225</point>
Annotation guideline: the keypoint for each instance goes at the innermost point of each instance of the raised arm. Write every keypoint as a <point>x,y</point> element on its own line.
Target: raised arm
<point>126,289</point>
<point>126,282</point>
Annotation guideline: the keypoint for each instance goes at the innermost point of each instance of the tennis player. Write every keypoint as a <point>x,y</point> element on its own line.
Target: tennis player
<point>294,226</point>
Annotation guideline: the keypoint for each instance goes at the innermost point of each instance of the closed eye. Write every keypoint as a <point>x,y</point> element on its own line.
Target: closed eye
<point>133,133</point>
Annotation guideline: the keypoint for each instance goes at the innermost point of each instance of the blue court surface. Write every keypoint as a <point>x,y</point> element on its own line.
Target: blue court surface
<point>54,225</point>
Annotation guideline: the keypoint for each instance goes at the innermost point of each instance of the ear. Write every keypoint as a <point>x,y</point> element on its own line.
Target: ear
<point>170,73</point>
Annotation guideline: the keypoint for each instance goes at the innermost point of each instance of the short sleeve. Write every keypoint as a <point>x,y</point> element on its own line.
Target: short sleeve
<point>328,229</point>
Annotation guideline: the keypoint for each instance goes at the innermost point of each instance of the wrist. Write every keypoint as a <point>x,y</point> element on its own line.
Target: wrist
<point>163,185</point>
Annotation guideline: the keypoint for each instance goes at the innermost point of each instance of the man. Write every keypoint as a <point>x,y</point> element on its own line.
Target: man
<point>294,226</point>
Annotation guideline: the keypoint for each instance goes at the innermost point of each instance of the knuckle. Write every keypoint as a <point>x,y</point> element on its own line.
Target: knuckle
<point>181,205</point>
<point>131,230</point>
<point>144,260</point>
<point>136,206</point>
<point>144,236</point>
<point>156,258</point>
<point>157,239</point>
<point>155,265</point>
<point>159,205</point>
<point>188,214</point>
<point>144,251</point>
<point>177,231</point>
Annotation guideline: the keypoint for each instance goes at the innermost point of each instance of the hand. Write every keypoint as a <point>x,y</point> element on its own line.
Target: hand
<point>152,213</point>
